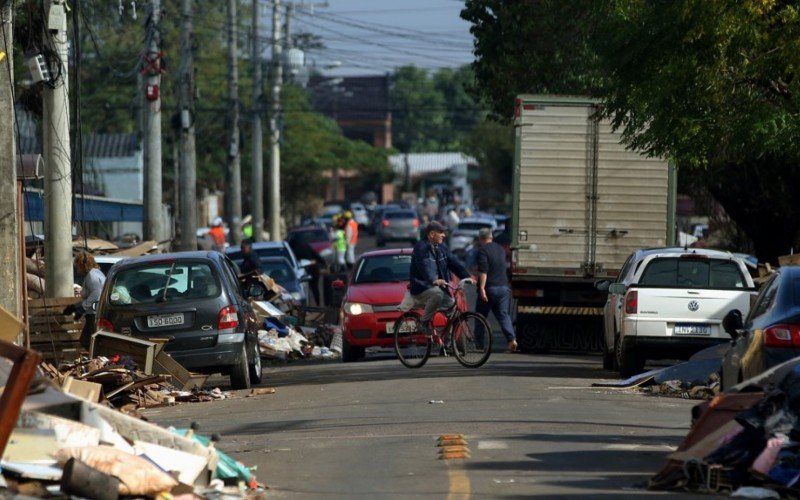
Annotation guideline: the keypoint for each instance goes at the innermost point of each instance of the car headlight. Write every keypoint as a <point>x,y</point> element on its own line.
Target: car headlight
<point>356,308</point>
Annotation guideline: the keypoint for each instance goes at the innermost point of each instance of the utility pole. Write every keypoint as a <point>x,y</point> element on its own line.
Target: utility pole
<point>153,217</point>
<point>10,273</point>
<point>233,186</point>
<point>257,174</point>
<point>57,156</point>
<point>188,180</point>
<point>274,135</point>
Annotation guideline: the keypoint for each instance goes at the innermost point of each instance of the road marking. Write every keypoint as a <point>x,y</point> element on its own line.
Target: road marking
<point>460,487</point>
<point>492,445</point>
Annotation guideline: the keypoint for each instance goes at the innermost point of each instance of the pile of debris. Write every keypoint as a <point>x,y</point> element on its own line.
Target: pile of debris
<point>53,443</point>
<point>745,443</point>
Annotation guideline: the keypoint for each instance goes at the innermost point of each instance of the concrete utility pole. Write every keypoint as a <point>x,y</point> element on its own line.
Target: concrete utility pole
<point>257,174</point>
<point>153,217</point>
<point>274,131</point>
<point>10,293</point>
<point>233,186</point>
<point>188,179</point>
<point>57,156</point>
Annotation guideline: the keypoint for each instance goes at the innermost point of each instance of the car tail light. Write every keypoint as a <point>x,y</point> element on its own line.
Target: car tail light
<point>385,223</point>
<point>227,319</point>
<point>782,336</point>
<point>104,324</point>
<point>632,302</point>
<point>415,222</point>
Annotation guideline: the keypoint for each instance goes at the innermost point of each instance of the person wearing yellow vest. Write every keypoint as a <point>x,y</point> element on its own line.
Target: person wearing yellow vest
<point>351,234</point>
<point>340,244</point>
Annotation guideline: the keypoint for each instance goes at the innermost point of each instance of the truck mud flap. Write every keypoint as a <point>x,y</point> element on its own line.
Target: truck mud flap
<point>543,333</point>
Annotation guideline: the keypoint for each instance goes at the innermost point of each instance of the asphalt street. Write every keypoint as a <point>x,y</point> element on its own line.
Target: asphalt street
<point>534,426</point>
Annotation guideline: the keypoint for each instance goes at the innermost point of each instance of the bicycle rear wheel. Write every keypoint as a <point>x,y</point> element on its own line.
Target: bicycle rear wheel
<point>472,340</point>
<point>411,345</point>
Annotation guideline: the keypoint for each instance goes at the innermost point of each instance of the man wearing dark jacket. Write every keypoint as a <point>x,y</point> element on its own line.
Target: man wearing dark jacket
<point>431,264</point>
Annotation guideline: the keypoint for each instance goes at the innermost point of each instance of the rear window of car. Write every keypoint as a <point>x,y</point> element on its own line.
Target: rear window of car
<point>400,215</point>
<point>473,226</point>
<point>310,236</point>
<point>149,283</point>
<point>279,271</point>
<point>383,268</point>
<point>693,273</point>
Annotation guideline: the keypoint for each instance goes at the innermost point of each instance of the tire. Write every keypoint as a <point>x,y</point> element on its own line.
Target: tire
<point>467,351</point>
<point>240,372</point>
<point>413,348</point>
<point>255,368</point>
<point>627,361</point>
<point>351,353</point>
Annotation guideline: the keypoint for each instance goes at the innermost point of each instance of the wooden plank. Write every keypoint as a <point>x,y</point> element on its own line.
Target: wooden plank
<point>52,302</point>
<point>789,260</point>
<point>55,337</point>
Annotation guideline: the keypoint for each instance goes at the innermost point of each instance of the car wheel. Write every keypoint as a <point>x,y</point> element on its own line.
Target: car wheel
<point>240,372</point>
<point>255,367</point>
<point>627,361</point>
<point>351,353</point>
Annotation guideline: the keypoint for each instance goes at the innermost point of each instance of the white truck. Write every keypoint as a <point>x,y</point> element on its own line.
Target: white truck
<point>582,204</point>
<point>668,303</point>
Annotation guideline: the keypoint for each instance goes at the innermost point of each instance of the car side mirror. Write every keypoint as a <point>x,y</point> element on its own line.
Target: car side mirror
<point>733,323</point>
<point>256,291</point>
<point>337,284</point>
<point>617,288</point>
<point>602,285</point>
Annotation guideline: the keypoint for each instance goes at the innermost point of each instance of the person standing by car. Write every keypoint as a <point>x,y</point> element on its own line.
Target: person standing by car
<point>93,281</point>
<point>494,293</point>
<point>431,265</point>
<point>351,235</point>
<point>340,245</point>
<point>250,261</point>
<point>217,235</point>
<point>302,250</point>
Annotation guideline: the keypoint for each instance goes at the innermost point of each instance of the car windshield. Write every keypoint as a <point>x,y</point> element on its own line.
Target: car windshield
<point>383,269</point>
<point>400,215</point>
<point>473,226</point>
<point>156,282</point>
<point>693,273</point>
<point>279,271</point>
<point>310,236</point>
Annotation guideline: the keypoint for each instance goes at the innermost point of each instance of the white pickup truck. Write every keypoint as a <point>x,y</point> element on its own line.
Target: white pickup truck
<point>668,303</point>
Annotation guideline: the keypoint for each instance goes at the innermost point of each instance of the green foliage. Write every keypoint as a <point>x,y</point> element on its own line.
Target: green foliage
<point>492,144</point>
<point>535,46</point>
<point>432,112</point>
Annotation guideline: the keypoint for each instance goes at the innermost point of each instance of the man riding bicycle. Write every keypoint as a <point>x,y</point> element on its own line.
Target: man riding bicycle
<point>431,264</point>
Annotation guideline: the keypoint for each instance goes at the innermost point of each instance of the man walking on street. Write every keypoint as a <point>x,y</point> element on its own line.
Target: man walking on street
<point>494,293</point>
<point>431,264</point>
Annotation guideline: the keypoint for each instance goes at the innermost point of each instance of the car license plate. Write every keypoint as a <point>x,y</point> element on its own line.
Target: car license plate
<point>692,330</point>
<point>165,320</point>
<point>405,328</point>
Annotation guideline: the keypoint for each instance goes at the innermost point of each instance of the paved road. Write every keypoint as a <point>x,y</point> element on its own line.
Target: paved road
<point>368,430</point>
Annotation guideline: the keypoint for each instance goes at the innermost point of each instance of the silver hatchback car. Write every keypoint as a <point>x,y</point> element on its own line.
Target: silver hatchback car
<point>397,225</point>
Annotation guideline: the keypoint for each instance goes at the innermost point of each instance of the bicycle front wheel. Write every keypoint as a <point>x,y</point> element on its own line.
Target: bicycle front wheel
<point>411,345</point>
<point>472,340</point>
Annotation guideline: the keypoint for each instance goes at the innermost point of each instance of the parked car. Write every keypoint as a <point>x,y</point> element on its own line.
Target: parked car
<point>668,303</point>
<point>275,249</point>
<point>397,225</point>
<point>194,300</point>
<point>769,334</point>
<point>377,215</point>
<point>360,214</point>
<point>317,237</point>
<point>374,290</point>
<point>280,270</point>
<point>466,232</point>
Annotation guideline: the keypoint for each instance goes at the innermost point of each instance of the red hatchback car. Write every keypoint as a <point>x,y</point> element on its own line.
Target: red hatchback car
<point>375,288</point>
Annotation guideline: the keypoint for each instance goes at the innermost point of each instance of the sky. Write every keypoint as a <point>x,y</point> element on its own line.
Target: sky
<point>375,36</point>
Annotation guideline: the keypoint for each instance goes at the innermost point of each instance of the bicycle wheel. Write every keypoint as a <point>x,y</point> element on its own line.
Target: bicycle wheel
<point>472,344</point>
<point>411,345</point>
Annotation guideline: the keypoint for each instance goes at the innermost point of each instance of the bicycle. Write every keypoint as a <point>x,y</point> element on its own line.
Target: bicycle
<point>413,347</point>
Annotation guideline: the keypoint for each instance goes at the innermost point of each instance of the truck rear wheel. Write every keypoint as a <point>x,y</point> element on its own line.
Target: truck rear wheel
<point>629,364</point>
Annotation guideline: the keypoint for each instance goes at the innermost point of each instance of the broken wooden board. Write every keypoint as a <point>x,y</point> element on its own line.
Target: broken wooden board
<point>142,248</point>
<point>10,326</point>
<point>183,379</point>
<point>143,352</point>
<point>89,391</point>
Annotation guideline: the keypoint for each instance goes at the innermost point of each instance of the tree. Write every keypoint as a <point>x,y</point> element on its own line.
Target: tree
<point>417,111</point>
<point>492,144</point>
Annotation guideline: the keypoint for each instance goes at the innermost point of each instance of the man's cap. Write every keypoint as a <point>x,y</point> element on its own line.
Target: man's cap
<point>485,233</point>
<point>435,226</point>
